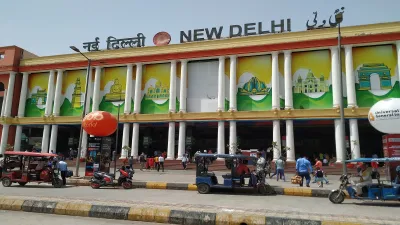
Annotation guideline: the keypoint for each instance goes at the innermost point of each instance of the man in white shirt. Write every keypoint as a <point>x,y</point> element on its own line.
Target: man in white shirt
<point>161,161</point>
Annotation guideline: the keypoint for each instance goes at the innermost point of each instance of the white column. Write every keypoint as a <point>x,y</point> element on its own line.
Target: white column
<point>221,105</point>
<point>21,110</point>
<point>23,95</point>
<point>4,138</point>
<point>276,129</point>
<point>232,84</point>
<point>127,109</point>
<point>135,141</point>
<point>276,137</point>
<point>171,141</point>
<point>339,140</point>
<point>183,90</point>
<point>172,87</point>
<point>53,138</point>
<point>96,89</point>
<point>221,84</point>
<point>50,94</point>
<point>45,139</point>
<point>221,138</point>
<point>398,57</point>
<point>56,111</point>
<point>182,108</point>
<point>350,78</point>
<point>288,80</point>
<point>10,94</point>
<point>275,81</point>
<point>172,108</point>
<point>136,109</point>
<point>138,88</point>
<point>7,111</point>
<point>182,139</point>
<point>354,139</point>
<point>352,102</point>
<point>290,150</point>
<point>18,136</point>
<point>232,136</point>
<point>125,140</point>
<point>57,93</point>
<point>128,89</point>
<point>3,106</point>
<point>336,76</point>
<point>48,111</point>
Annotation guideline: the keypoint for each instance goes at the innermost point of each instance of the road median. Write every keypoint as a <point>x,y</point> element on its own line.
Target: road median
<point>173,213</point>
<point>292,191</point>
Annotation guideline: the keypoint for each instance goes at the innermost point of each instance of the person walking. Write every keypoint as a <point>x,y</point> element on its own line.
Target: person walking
<point>156,163</point>
<point>161,163</point>
<point>142,160</point>
<point>280,169</point>
<point>303,169</point>
<point>184,161</point>
<point>130,162</point>
<point>63,168</point>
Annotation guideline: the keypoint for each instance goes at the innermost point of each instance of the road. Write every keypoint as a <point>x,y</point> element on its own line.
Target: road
<point>24,218</point>
<point>289,204</point>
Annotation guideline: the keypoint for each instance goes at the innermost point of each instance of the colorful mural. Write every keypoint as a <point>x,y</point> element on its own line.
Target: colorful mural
<point>155,88</point>
<point>253,77</point>
<point>73,92</point>
<point>312,80</point>
<point>37,94</point>
<point>375,69</point>
<point>112,89</point>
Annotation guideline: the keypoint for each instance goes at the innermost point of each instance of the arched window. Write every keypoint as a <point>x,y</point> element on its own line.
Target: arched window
<point>1,86</point>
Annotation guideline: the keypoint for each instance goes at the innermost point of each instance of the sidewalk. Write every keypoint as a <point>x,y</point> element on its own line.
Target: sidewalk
<point>185,180</point>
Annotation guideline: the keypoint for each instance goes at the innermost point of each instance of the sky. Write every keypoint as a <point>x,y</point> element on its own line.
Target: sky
<point>48,27</point>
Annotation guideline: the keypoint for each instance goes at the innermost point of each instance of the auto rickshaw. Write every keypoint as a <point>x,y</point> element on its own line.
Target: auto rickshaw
<point>25,167</point>
<point>381,190</point>
<point>206,180</point>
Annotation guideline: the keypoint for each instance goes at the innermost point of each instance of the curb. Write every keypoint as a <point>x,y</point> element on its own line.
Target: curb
<point>294,191</point>
<point>162,215</point>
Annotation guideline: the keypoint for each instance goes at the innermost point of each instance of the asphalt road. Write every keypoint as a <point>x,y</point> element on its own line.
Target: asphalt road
<point>24,218</point>
<point>278,203</point>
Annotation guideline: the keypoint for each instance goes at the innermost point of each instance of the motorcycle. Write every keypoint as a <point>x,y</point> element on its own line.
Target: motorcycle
<point>101,179</point>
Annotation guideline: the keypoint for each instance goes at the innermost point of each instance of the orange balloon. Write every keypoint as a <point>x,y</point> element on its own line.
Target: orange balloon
<point>100,123</point>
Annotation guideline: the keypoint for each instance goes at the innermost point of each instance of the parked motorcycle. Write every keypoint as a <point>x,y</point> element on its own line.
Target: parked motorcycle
<point>101,179</point>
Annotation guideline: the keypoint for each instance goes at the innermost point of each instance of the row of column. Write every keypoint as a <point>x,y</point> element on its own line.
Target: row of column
<point>95,89</point>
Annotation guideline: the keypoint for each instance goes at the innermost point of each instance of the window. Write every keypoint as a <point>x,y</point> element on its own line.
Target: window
<point>1,86</point>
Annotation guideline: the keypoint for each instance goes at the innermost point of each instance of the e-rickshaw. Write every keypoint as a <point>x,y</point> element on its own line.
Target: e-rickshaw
<point>384,191</point>
<point>206,180</point>
<point>25,167</point>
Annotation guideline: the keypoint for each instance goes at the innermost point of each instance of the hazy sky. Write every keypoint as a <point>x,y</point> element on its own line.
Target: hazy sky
<point>48,27</point>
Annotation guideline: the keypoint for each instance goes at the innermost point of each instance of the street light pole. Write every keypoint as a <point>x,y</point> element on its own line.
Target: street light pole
<point>116,141</point>
<point>339,19</point>
<point>83,111</point>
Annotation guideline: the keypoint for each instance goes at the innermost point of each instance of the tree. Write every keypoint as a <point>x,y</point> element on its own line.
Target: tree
<point>282,150</point>
<point>233,148</point>
<point>127,149</point>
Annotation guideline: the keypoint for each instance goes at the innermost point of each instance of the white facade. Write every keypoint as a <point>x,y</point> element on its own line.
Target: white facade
<point>203,87</point>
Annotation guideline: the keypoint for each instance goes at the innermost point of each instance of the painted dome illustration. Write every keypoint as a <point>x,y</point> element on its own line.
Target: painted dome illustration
<point>254,87</point>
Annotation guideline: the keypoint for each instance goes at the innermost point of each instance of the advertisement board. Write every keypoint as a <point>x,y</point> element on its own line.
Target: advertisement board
<point>391,148</point>
<point>312,85</point>
<point>385,116</point>
<point>37,94</point>
<point>375,70</point>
